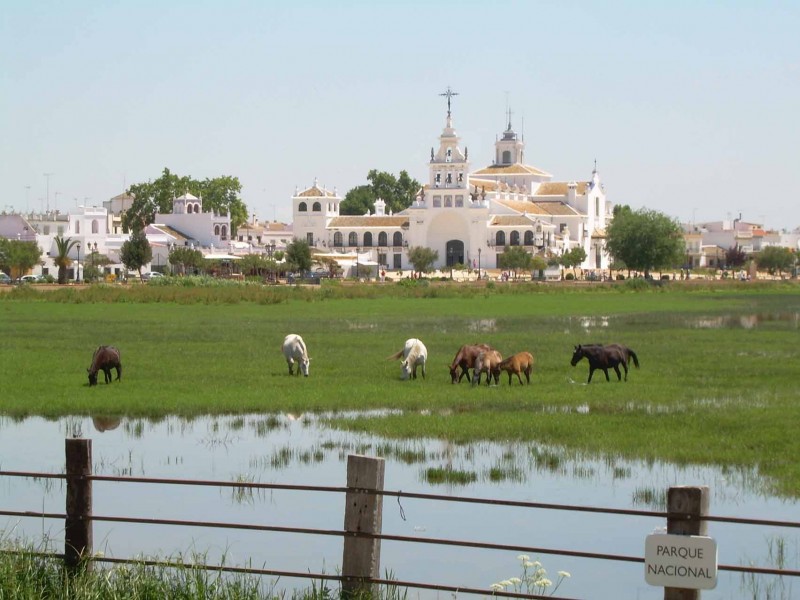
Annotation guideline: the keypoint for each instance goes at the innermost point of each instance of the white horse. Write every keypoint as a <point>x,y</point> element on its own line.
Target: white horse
<point>294,349</point>
<point>413,354</point>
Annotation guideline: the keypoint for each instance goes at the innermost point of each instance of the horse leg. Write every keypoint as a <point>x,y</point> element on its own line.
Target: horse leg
<point>625,367</point>
<point>591,372</point>
<point>528,374</point>
<point>119,372</point>
<point>107,374</point>
<point>619,375</point>
<point>291,370</point>
<point>605,370</point>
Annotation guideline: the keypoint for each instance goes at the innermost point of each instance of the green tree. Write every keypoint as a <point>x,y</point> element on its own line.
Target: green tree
<point>397,192</point>
<point>136,252</point>
<point>298,256</point>
<point>514,258</point>
<point>645,239</point>
<point>358,201</point>
<point>220,195</point>
<point>18,257</point>
<point>422,258</point>
<point>96,262</point>
<point>538,265</point>
<point>62,259</point>
<point>184,257</point>
<point>573,258</point>
<point>775,259</point>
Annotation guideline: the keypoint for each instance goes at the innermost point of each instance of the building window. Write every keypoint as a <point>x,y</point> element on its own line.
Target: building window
<point>77,226</point>
<point>95,226</point>
<point>383,239</point>
<point>224,232</point>
<point>302,207</point>
<point>352,239</point>
<point>309,239</point>
<point>506,157</point>
<point>514,238</point>
<point>317,207</point>
<point>47,229</point>
<point>500,239</point>
<point>337,239</point>
<point>398,261</point>
<point>529,238</point>
<point>437,201</point>
<point>216,229</point>
<point>397,239</point>
<point>368,239</point>
<point>597,207</point>
<point>459,201</point>
<point>382,260</point>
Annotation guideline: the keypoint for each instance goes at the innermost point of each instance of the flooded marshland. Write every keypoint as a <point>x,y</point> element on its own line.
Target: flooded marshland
<point>303,450</point>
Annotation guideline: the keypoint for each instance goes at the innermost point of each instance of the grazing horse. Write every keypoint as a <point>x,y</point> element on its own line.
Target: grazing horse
<point>414,354</point>
<point>104,359</point>
<point>465,358</point>
<point>487,362</point>
<point>521,362</point>
<point>605,358</point>
<point>294,350</point>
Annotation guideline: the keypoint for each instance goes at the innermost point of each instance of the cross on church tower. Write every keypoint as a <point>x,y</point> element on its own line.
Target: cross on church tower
<point>449,93</point>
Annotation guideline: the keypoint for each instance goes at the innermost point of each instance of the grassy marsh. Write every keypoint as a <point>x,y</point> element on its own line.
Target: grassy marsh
<point>717,384</point>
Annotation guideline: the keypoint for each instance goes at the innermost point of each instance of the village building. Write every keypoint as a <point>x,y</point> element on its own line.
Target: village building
<point>468,217</point>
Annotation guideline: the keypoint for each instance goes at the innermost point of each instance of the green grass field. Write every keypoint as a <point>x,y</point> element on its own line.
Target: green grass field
<point>717,383</point>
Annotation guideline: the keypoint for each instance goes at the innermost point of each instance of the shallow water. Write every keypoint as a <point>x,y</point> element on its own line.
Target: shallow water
<point>293,449</point>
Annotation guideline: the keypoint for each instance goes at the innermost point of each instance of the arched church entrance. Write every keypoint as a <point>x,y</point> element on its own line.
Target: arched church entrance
<point>454,253</point>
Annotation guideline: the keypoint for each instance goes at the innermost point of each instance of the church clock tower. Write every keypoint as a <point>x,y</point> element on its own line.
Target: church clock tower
<point>449,167</point>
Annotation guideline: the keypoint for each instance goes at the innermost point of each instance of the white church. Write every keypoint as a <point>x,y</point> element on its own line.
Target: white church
<point>468,217</point>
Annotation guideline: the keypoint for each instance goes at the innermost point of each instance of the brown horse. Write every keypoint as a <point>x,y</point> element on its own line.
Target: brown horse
<point>465,358</point>
<point>521,362</point>
<point>104,359</point>
<point>606,357</point>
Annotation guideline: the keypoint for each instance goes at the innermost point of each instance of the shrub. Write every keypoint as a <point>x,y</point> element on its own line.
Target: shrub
<point>569,277</point>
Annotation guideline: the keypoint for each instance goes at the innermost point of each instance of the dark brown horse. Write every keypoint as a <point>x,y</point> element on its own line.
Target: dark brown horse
<point>605,357</point>
<point>465,359</point>
<point>104,359</point>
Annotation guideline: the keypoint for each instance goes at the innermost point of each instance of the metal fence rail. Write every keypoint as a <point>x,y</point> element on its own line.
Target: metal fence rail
<point>362,533</point>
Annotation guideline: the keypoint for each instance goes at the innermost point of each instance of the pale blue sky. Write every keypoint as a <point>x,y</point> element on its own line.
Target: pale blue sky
<point>690,108</point>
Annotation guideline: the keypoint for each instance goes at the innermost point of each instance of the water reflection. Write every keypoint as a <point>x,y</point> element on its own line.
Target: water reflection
<point>301,449</point>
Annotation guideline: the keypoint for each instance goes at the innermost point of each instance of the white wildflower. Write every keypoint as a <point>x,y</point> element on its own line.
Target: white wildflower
<point>497,587</point>
<point>523,557</point>
<point>515,580</point>
<point>564,574</point>
<point>544,582</point>
<point>505,583</point>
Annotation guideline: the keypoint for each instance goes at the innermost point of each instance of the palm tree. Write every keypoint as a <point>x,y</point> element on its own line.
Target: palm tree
<point>62,259</point>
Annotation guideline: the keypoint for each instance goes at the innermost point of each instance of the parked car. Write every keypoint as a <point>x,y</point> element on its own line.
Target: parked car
<point>31,279</point>
<point>151,275</point>
<point>4,279</point>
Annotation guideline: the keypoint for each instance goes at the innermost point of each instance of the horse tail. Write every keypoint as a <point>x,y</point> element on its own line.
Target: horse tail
<point>396,355</point>
<point>633,356</point>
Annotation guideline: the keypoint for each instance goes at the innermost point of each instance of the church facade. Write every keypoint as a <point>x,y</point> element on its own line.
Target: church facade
<point>468,217</point>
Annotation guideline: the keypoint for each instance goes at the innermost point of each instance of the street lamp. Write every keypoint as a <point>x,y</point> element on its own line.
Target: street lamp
<point>450,260</point>
<point>93,249</point>
<point>479,264</point>
<point>78,264</point>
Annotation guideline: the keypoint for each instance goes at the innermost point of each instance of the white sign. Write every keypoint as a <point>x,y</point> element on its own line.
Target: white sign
<point>680,561</point>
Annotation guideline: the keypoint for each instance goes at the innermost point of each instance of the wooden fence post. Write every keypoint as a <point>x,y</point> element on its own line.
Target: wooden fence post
<point>78,537</point>
<point>686,500</point>
<point>361,558</point>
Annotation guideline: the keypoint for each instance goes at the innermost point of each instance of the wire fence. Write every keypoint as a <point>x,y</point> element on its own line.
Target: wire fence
<point>362,532</point>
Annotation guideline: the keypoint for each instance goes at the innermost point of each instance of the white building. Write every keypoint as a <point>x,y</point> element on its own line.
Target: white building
<point>467,217</point>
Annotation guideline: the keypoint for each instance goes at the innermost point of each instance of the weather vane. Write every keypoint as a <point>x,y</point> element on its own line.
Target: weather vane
<point>449,93</point>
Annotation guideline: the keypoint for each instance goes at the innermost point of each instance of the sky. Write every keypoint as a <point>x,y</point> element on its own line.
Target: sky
<point>690,108</point>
